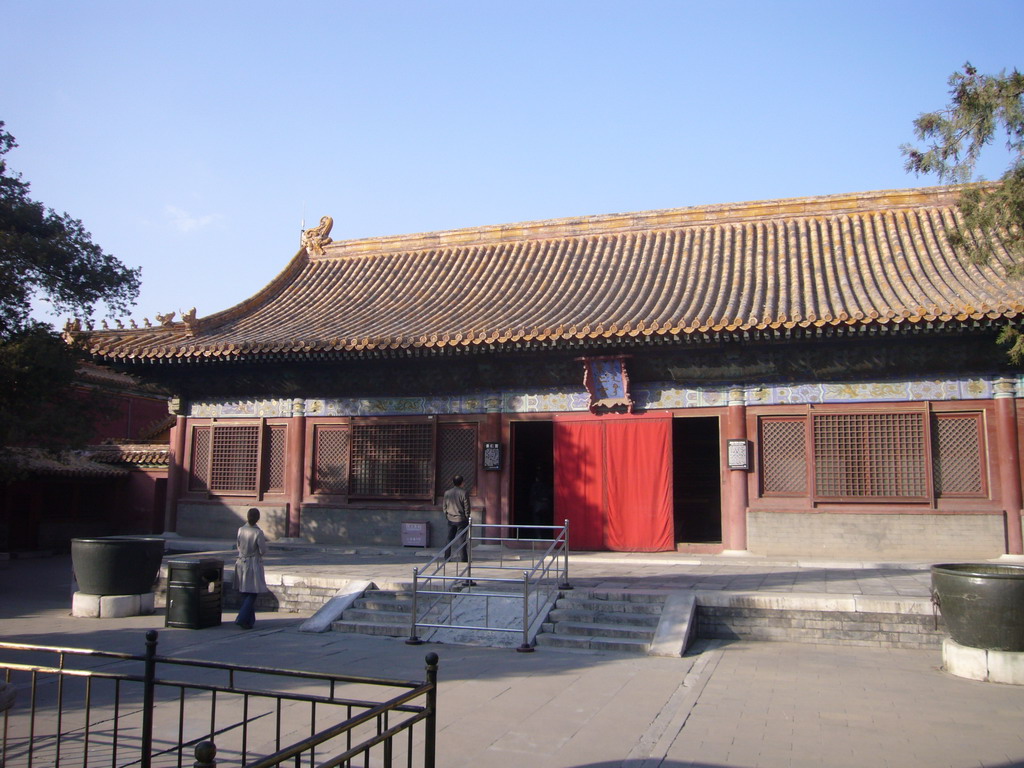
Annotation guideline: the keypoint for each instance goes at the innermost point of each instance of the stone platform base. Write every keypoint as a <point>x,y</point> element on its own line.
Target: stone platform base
<point>89,606</point>
<point>980,664</point>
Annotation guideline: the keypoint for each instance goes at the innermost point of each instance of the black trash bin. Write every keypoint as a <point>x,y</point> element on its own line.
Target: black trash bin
<point>194,593</point>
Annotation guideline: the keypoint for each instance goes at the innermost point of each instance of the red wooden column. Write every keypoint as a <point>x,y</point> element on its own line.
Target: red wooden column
<point>490,480</point>
<point>734,528</point>
<point>296,466</point>
<point>175,465</point>
<point>1009,462</point>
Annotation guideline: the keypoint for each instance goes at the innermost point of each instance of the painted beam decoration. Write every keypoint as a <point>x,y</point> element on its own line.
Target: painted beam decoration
<point>607,381</point>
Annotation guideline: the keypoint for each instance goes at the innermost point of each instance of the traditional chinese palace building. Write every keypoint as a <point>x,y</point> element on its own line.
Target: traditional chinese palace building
<point>813,376</point>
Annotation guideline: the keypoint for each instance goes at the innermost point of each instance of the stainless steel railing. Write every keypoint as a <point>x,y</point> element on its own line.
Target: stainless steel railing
<point>493,593</point>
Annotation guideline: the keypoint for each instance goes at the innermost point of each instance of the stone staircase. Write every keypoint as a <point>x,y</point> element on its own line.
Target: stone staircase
<point>643,622</point>
<point>603,621</point>
<point>378,612</point>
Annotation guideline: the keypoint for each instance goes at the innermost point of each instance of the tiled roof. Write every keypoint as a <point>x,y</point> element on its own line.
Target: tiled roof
<point>859,260</point>
<point>108,379</point>
<point>161,426</point>
<point>68,464</point>
<point>132,453</point>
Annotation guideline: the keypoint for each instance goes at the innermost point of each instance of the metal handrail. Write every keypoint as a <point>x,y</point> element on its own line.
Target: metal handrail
<point>442,590</point>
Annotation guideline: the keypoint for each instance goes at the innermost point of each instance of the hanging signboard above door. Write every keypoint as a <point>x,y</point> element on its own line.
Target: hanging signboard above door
<point>607,381</point>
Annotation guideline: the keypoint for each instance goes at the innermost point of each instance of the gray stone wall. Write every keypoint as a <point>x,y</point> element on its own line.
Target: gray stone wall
<point>331,526</point>
<point>846,535</point>
<point>885,630</point>
<point>213,520</point>
<point>336,526</point>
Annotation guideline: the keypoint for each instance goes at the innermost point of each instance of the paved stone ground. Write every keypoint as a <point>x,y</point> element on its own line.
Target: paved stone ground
<point>606,570</point>
<point>739,704</point>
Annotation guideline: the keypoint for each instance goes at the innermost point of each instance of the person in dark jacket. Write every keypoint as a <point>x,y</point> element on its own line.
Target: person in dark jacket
<point>457,512</point>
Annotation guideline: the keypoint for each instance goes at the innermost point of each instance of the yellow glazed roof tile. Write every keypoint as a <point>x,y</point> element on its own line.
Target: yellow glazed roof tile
<point>880,257</point>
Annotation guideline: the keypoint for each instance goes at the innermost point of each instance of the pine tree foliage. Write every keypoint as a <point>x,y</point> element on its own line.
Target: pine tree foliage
<point>48,256</point>
<point>982,108</point>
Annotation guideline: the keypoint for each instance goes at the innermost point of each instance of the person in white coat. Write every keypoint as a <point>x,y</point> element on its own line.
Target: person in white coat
<point>250,579</point>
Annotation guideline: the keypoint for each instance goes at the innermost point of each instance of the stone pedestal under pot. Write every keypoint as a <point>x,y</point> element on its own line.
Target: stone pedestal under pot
<point>115,575</point>
<point>983,607</point>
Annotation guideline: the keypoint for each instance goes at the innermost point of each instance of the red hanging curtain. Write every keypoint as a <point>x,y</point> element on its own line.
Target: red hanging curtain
<point>579,482</point>
<point>613,483</point>
<point>638,468</point>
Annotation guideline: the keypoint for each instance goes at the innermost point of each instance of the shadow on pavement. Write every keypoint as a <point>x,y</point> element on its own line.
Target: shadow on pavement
<point>35,608</point>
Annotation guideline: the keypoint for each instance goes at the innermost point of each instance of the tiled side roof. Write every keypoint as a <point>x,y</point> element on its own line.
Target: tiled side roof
<point>68,464</point>
<point>871,258</point>
<point>108,379</point>
<point>160,426</point>
<point>132,454</point>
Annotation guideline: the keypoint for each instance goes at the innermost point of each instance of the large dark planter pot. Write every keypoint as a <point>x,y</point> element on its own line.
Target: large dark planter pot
<point>116,565</point>
<point>982,604</point>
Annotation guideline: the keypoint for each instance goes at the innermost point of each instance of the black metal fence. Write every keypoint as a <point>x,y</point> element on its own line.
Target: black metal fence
<point>78,707</point>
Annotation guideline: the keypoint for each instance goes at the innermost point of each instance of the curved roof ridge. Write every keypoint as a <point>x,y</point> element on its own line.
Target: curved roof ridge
<point>283,279</point>
<point>841,260</point>
<point>670,218</point>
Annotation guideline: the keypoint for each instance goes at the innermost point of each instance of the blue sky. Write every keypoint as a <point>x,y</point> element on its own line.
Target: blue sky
<point>193,138</point>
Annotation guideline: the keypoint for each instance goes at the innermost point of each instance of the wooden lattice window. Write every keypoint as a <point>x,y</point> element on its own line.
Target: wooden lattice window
<point>870,456</point>
<point>199,465</point>
<point>784,456</point>
<point>392,460</point>
<point>330,459</point>
<point>238,459</point>
<point>456,455</point>
<point>958,457</point>
<point>274,458</point>
<point>234,459</point>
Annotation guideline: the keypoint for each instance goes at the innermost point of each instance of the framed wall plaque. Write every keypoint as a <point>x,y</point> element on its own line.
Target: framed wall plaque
<point>739,454</point>
<point>492,456</point>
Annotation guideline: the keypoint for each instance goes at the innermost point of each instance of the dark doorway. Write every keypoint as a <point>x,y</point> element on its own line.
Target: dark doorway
<point>533,471</point>
<point>697,485</point>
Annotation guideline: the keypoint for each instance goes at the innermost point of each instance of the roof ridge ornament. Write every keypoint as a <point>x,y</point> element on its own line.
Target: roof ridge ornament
<point>72,330</point>
<point>191,321</point>
<point>315,238</point>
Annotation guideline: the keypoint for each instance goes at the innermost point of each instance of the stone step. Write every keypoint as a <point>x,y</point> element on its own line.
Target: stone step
<point>383,604</point>
<point>390,595</point>
<point>370,628</point>
<point>376,616</point>
<point>617,631</point>
<point>603,617</point>
<point>619,621</point>
<point>380,612</point>
<point>591,643</point>
<point>616,596</point>
<point>583,603</point>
